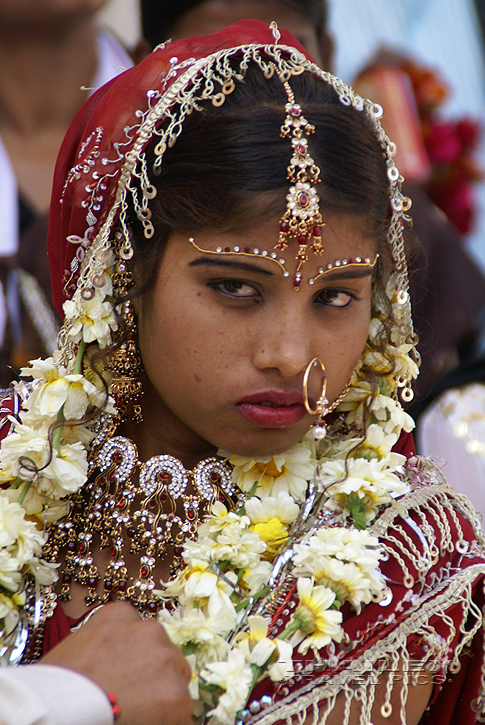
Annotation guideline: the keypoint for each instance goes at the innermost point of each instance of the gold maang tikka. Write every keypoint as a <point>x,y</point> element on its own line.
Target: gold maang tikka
<point>302,220</point>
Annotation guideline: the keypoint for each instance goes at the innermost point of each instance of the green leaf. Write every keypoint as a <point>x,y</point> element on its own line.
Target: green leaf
<point>357,507</point>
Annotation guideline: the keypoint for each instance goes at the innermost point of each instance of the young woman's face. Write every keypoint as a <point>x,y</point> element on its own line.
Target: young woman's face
<point>225,338</point>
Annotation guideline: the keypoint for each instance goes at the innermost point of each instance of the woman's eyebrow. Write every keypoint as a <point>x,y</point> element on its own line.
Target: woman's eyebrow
<point>210,262</point>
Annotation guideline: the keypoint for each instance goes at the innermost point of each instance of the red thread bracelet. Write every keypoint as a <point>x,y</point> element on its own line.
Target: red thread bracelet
<point>114,706</point>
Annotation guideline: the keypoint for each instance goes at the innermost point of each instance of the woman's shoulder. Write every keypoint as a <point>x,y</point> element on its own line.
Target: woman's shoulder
<point>433,563</point>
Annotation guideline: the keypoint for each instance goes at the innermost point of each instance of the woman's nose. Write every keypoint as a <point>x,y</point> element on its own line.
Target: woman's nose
<point>284,345</point>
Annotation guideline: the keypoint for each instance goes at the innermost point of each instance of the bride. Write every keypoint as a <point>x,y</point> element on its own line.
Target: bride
<point>218,439</point>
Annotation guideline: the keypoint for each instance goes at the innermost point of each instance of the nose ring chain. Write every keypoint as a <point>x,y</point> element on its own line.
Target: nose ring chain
<point>322,407</point>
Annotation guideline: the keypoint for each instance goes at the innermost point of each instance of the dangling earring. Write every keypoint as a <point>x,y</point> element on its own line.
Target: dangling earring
<point>322,408</point>
<point>125,361</point>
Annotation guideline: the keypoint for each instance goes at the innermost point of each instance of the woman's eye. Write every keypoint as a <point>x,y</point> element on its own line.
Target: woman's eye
<point>235,288</point>
<point>335,298</point>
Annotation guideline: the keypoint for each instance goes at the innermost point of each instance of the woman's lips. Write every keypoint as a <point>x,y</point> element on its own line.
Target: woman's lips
<point>273,408</point>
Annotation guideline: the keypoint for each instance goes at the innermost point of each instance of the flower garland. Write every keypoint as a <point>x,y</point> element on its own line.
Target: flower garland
<point>305,514</point>
<point>218,615</point>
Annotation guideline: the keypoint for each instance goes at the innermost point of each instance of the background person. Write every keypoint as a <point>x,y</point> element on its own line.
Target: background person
<point>50,53</point>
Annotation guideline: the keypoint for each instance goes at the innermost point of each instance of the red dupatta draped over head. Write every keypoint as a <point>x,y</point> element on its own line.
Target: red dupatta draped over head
<point>97,146</point>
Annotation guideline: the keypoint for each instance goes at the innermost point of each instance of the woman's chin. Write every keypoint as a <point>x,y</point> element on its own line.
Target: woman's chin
<point>267,442</point>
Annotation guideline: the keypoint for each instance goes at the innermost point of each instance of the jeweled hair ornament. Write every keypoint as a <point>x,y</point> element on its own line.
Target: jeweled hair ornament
<point>302,221</point>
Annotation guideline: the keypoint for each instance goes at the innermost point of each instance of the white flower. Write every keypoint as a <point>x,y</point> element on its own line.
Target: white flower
<point>10,576</point>
<point>203,586</point>
<point>53,388</point>
<point>26,454</point>
<point>289,472</point>
<point>66,472</point>
<point>235,677</point>
<point>282,669</point>
<point>345,544</point>
<point>45,508</point>
<point>188,625</point>
<point>194,676</point>
<point>73,392</point>
<point>225,537</point>
<point>398,419</point>
<point>44,571</point>
<point>78,433</point>
<point>222,520</point>
<point>92,320</point>
<point>255,643</point>
<point>24,442</point>
<point>41,370</point>
<point>281,507</point>
<point>346,580</point>
<point>257,576</point>
<point>21,536</point>
<point>364,484</point>
<point>9,613</point>
<point>388,412</point>
<point>377,443</point>
<point>273,655</point>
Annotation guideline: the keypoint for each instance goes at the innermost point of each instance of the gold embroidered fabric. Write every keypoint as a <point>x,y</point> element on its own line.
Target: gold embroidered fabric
<point>435,558</point>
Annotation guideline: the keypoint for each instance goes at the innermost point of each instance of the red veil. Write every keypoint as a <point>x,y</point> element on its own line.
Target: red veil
<point>96,145</point>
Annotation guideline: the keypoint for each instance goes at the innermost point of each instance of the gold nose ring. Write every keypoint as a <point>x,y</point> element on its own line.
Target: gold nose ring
<point>321,407</point>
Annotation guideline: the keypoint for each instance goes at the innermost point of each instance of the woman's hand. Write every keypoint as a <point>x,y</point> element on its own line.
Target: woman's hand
<point>135,660</point>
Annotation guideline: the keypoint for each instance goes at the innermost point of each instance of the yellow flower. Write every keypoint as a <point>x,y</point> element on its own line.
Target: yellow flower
<point>270,518</point>
<point>313,617</point>
<point>273,532</point>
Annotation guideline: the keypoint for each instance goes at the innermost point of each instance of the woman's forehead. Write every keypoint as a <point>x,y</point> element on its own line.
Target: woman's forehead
<point>346,251</point>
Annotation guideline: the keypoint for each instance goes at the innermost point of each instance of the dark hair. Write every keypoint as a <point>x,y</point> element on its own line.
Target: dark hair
<point>159,17</point>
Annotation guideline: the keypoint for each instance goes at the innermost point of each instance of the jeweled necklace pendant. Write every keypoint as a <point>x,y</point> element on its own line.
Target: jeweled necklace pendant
<point>131,508</point>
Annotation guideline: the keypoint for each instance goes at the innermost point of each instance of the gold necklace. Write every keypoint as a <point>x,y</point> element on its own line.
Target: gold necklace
<point>151,507</point>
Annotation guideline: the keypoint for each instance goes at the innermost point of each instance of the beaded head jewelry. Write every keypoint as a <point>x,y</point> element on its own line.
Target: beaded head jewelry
<point>302,220</point>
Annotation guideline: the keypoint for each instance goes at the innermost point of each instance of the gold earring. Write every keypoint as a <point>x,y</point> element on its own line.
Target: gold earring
<point>125,361</point>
